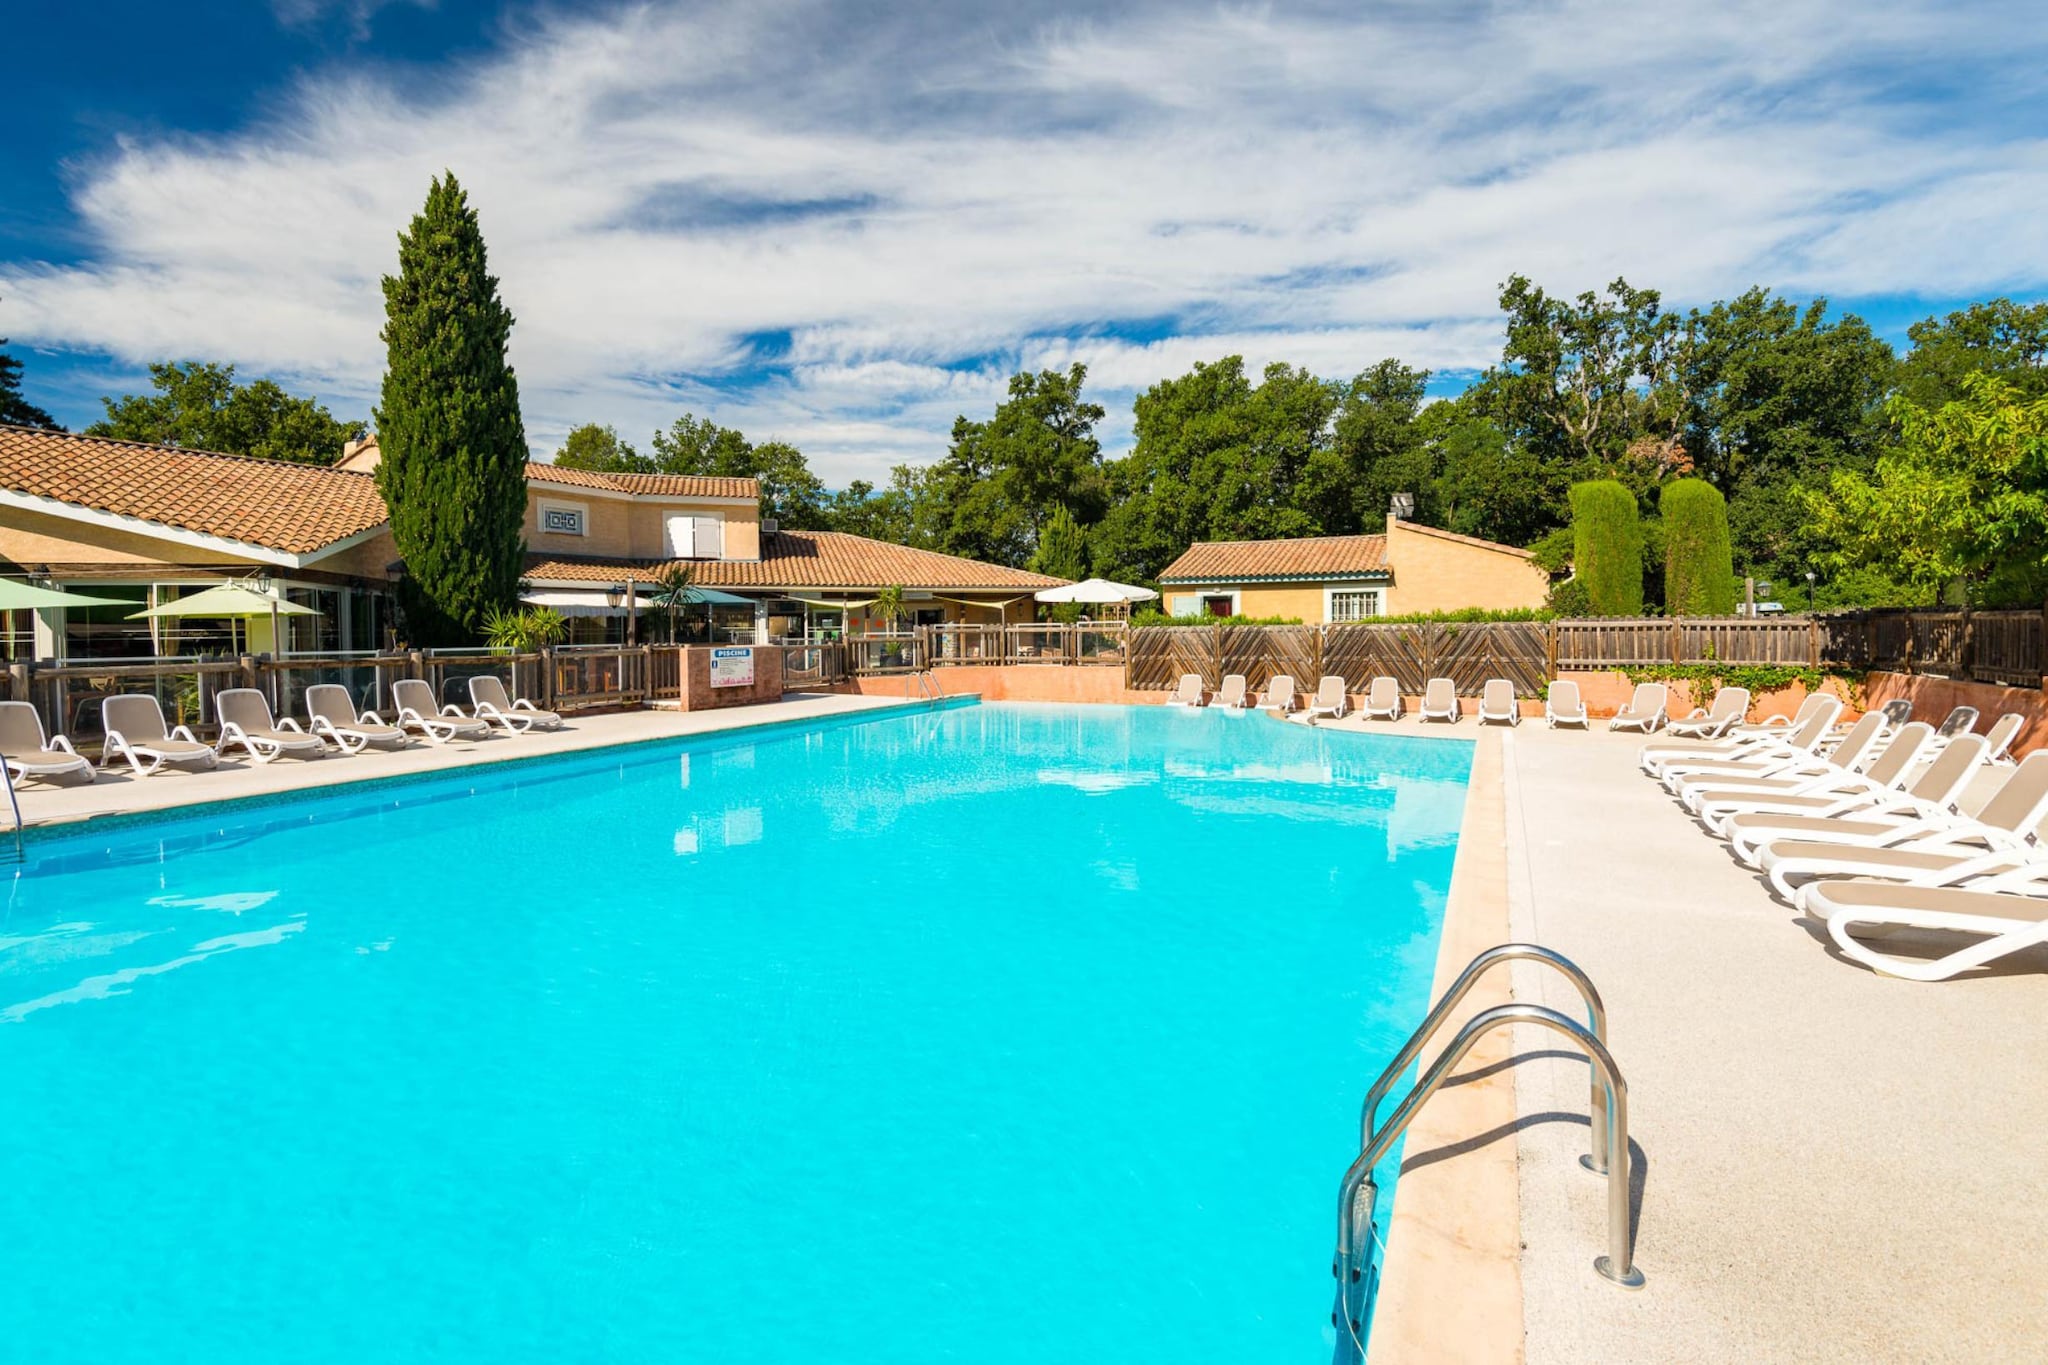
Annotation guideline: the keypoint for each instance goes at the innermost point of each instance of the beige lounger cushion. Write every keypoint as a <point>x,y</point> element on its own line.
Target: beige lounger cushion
<point>1824,898</point>
<point>1855,861</point>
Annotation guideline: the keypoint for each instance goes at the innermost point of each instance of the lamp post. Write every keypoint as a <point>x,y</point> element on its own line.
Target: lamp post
<point>1809,592</point>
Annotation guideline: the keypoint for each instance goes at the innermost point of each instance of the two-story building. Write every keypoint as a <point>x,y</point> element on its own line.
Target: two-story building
<point>1321,580</point>
<point>144,525</point>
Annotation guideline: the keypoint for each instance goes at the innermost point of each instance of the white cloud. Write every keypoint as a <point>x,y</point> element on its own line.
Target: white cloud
<point>910,206</point>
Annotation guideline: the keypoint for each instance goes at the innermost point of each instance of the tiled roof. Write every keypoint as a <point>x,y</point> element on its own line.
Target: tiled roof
<point>296,508</point>
<point>808,559</point>
<point>649,485</point>
<point>1233,561</point>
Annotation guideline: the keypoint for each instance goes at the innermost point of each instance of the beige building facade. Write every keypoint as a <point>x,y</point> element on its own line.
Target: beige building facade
<point>1323,580</point>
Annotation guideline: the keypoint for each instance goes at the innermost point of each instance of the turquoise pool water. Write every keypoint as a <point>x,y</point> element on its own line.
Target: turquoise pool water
<point>993,1034</point>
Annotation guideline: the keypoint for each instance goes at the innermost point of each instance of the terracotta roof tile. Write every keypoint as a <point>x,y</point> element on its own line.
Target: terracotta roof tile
<point>1307,557</point>
<point>296,508</point>
<point>808,559</point>
<point>651,485</point>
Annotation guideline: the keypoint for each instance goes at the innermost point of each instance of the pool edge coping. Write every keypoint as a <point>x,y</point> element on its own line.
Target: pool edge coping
<point>71,826</point>
<point>1451,1286</point>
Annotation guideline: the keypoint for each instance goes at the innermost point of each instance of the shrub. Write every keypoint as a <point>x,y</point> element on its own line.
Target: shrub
<point>1156,618</point>
<point>1570,598</point>
<point>1607,547</point>
<point>1699,565</point>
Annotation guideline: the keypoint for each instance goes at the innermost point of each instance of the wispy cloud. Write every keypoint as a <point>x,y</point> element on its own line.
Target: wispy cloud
<point>358,14</point>
<point>906,207</point>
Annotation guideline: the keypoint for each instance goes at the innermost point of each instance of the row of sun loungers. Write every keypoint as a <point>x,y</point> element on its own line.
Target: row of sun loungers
<point>1861,829</point>
<point>137,733</point>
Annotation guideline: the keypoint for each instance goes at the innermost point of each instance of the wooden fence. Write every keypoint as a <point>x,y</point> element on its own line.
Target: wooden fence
<point>1979,646</point>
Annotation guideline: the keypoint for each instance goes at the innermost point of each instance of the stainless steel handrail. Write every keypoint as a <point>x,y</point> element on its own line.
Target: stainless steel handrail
<point>15,802</point>
<point>1506,952</point>
<point>1358,1193</point>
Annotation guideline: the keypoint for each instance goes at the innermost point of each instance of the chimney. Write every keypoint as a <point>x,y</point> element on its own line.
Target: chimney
<point>1403,508</point>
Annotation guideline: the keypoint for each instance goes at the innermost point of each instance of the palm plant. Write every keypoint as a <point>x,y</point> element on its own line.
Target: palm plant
<point>891,606</point>
<point>672,593</point>
<point>526,631</point>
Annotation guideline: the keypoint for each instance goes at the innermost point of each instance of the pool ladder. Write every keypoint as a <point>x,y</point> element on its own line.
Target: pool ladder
<point>1609,1105</point>
<point>927,686</point>
<point>14,803</point>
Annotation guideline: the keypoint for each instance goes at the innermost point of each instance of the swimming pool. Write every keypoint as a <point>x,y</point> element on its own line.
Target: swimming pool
<point>993,1034</point>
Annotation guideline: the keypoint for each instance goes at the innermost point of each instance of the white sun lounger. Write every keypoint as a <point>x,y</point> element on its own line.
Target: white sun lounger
<point>1497,703</point>
<point>29,753</point>
<point>2000,923</point>
<point>2001,838</point>
<point>2000,737</point>
<point>135,730</point>
<point>1762,757</point>
<point>1280,694</point>
<point>1562,705</point>
<point>492,703</point>
<point>1730,705</point>
<point>1781,725</point>
<point>1440,701</point>
<point>331,714</point>
<point>1330,699</point>
<point>1645,710</point>
<point>245,720</point>
<point>1187,693</point>
<point>1926,806</point>
<point>1839,786</point>
<point>415,702</point>
<point>1743,742</point>
<point>1232,694</point>
<point>1382,699</point>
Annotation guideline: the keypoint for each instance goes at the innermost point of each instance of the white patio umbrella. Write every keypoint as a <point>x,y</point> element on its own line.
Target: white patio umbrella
<point>236,601</point>
<point>1096,592</point>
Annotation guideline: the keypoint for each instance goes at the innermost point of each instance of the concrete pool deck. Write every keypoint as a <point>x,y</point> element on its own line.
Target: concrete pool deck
<point>1834,1165</point>
<point>119,792</point>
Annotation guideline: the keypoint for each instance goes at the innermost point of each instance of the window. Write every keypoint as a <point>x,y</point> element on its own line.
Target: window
<point>561,519</point>
<point>1353,606</point>
<point>695,535</point>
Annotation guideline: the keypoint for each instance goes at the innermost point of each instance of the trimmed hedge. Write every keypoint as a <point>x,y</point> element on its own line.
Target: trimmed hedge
<point>1699,563</point>
<point>1607,547</point>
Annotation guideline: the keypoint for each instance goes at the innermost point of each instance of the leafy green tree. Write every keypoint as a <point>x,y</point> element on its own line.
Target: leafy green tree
<point>1377,449</point>
<point>199,406</point>
<point>1062,547</point>
<point>14,409</point>
<point>600,450</point>
<point>1571,372</point>
<point>790,492</point>
<point>454,449</point>
<point>901,513</point>
<point>1699,566</point>
<point>1486,484</point>
<point>1002,479</point>
<point>1607,547</point>
<point>1962,499</point>
<point>2000,338</point>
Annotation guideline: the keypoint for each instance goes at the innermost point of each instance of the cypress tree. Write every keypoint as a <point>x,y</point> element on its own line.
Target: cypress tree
<point>1607,547</point>
<point>1062,547</point>
<point>454,449</point>
<point>1699,563</point>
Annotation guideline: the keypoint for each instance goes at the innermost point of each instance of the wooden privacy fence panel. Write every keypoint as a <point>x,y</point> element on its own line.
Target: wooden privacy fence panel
<point>1158,655</point>
<point>1471,654</point>
<point>1361,653</point>
<point>1262,653</point>
<point>2006,647</point>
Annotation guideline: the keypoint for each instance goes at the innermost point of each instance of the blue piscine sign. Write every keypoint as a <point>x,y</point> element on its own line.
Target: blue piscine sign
<point>732,667</point>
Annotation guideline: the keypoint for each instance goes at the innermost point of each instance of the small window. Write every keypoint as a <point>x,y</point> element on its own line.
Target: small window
<point>559,519</point>
<point>1353,606</point>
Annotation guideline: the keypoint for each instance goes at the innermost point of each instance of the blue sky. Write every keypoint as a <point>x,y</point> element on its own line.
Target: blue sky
<point>841,225</point>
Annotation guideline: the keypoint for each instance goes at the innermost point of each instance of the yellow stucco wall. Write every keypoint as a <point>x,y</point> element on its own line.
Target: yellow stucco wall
<point>1442,573</point>
<point>637,529</point>
<point>36,538</point>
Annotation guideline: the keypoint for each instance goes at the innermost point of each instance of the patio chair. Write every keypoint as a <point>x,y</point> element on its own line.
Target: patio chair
<point>1383,699</point>
<point>1330,699</point>
<point>1730,705</point>
<point>1497,703</point>
<point>1645,710</point>
<point>1280,694</point>
<point>2001,838</point>
<point>1231,695</point>
<point>2000,922</point>
<point>331,714</point>
<point>492,704</point>
<point>29,753</point>
<point>245,719</point>
<point>1999,739</point>
<point>1959,721</point>
<point>415,703</point>
<point>1189,692</point>
<point>1563,706</point>
<point>1440,701</point>
<point>1926,807</point>
<point>134,728</point>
